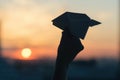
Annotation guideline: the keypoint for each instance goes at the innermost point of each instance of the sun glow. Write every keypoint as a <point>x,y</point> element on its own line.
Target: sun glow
<point>26,52</point>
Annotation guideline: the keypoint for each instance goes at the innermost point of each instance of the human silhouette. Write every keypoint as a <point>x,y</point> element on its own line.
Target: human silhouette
<point>68,48</point>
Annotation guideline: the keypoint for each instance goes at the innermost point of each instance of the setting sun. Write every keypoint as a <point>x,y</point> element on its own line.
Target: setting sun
<point>26,53</point>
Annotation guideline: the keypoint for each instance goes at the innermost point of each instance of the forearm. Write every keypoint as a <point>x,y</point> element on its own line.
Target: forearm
<point>60,72</point>
<point>61,69</point>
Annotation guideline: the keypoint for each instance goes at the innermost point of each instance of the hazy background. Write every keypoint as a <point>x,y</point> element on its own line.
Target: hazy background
<point>27,23</point>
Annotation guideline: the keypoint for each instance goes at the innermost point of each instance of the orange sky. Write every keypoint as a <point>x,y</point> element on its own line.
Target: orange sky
<point>27,23</point>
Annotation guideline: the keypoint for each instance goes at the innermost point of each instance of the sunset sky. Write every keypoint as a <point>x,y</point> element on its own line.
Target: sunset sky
<point>27,24</point>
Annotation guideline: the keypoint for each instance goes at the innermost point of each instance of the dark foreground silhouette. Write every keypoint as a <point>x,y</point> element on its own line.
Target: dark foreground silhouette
<point>74,26</point>
<point>68,48</point>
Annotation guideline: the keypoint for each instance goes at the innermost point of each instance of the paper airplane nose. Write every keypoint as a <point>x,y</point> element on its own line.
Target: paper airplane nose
<point>93,22</point>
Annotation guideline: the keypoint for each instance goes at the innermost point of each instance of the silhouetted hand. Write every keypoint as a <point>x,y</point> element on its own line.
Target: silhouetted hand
<point>68,48</point>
